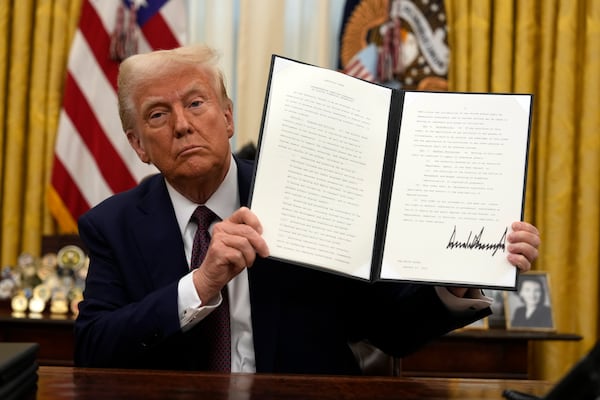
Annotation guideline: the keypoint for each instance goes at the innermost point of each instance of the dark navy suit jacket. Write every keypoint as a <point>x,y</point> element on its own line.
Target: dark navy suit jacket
<point>302,319</point>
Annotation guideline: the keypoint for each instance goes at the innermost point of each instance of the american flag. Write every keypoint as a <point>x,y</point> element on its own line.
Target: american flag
<point>92,158</point>
<point>364,64</point>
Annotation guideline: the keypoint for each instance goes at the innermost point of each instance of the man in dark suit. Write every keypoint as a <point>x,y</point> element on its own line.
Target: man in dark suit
<point>145,306</point>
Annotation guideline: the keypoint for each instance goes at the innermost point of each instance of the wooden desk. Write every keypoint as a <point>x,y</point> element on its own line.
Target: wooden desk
<point>65,383</point>
<point>53,333</point>
<point>492,353</point>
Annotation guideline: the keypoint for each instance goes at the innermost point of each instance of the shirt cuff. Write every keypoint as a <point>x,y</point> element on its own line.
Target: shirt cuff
<point>474,300</point>
<point>189,305</point>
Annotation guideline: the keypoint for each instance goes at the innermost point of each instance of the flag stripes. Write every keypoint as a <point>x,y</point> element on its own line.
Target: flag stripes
<point>98,39</point>
<point>93,159</point>
<point>356,68</point>
<point>91,132</point>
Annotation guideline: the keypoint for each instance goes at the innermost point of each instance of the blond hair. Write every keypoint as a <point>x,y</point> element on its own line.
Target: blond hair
<point>143,67</point>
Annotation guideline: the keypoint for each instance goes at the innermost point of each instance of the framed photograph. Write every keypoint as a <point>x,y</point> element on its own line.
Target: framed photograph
<point>530,306</point>
<point>497,320</point>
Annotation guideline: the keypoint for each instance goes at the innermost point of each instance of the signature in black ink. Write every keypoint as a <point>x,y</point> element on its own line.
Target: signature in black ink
<point>473,242</point>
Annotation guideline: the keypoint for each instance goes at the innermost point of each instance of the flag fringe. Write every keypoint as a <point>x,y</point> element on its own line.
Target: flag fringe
<point>60,212</point>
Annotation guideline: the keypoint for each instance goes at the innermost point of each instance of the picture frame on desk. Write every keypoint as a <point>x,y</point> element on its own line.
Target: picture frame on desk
<point>497,320</point>
<point>530,306</point>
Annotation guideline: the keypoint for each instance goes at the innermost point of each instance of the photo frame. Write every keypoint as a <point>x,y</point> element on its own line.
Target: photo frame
<point>497,319</point>
<point>530,306</point>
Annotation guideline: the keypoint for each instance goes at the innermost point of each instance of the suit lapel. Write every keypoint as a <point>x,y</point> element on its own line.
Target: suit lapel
<point>245,171</point>
<point>157,236</point>
<point>160,246</point>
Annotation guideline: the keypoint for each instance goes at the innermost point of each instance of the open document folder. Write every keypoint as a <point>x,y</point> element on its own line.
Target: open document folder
<point>377,183</point>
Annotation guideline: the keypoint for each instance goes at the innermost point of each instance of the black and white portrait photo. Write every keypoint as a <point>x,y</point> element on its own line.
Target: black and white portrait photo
<point>497,320</point>
<point>530,307</point>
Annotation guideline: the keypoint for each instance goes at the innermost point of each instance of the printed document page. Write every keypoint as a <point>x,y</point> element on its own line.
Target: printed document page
<point>317,182</point>
<point>458,186</point>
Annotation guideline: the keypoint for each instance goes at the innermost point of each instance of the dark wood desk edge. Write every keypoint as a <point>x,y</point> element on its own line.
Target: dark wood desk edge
<point>6,315</point>
<point>44,318</point>
<point>63,382</point>
<point>510,334</point>
<point>492,334</point>
<point>49,370</point>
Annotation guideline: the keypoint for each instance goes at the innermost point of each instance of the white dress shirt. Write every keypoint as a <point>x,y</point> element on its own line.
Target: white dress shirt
<point>191,310</point>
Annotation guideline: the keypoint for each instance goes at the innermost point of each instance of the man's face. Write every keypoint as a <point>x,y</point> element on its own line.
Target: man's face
<point>181,126</point>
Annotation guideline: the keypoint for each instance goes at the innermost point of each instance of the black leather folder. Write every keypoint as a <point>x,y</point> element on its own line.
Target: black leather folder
<point>18,369</point>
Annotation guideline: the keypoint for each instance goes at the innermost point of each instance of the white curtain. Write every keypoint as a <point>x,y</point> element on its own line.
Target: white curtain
<point>247,32</point>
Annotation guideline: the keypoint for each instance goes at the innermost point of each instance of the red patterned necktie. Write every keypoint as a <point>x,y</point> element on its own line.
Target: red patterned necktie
<point>218,333</point>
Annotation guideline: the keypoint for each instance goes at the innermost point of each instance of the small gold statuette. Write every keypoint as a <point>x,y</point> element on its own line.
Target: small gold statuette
<point>19,302</point>
<point>37,305</point>
<point>81,273</point>
<point>25,259</point>
<point>50,260</point>
<point>75,296</point>
<point>59,304</point>
<point>47,266</point>
<point>7,287</point>
<point>42,291</point>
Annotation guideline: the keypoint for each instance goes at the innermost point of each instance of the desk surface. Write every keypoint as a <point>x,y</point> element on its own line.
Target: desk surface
<point>493,353</point>
<point>65,383</point>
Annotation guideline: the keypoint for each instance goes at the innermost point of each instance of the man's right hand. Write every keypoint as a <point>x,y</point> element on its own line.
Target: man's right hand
<point>235,243</point>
